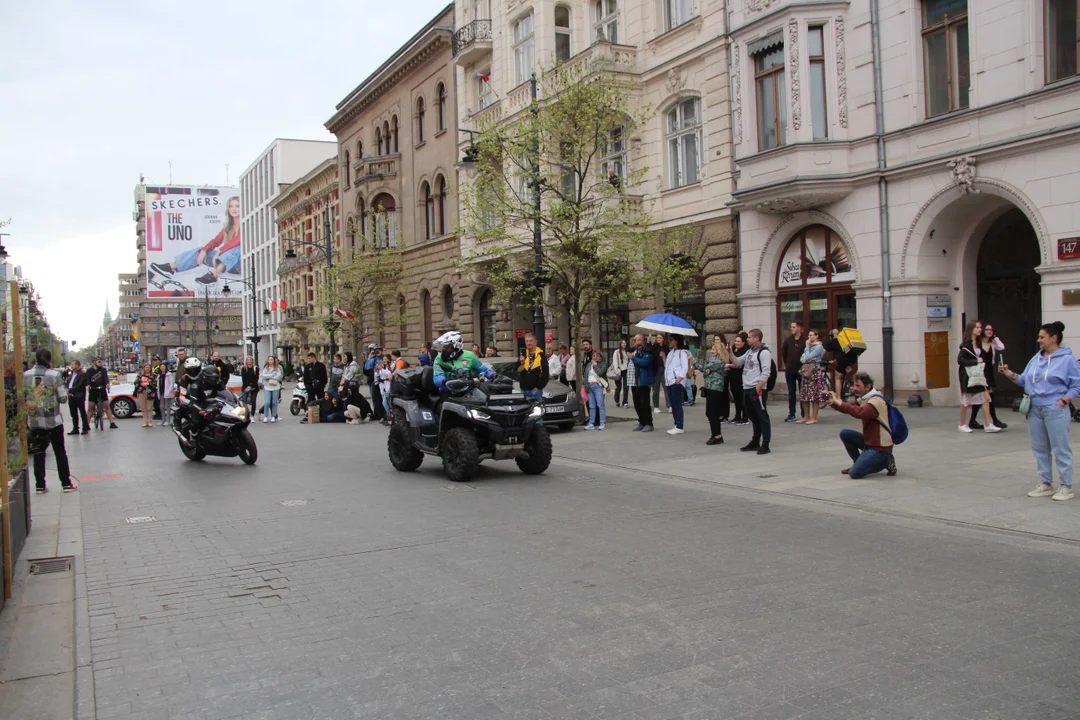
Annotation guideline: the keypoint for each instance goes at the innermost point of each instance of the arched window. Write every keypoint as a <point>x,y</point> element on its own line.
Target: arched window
<point>440,108</point>
<point>378,140</point>
<point>348,170</point>
<point>813,282</point>
<point>440,205</point>
<point>386,135</point>
<point>361,212</point>
<point>419,120</point>
<point>350,232</point>
<point>562,33</point>
<point>487,320</point>
<point>429,211</point>
<point>448,303</point>
<point>394,133</point>
<point>384,210</point>
<point>607,20</point>
<point>359,149</point>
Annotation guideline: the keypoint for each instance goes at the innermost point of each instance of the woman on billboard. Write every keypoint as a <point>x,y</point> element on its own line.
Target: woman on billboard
<point>221,254</point>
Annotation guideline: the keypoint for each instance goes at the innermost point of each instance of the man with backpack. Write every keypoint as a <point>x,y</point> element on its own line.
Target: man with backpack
<point>872,449</point>
<point>759,378</point>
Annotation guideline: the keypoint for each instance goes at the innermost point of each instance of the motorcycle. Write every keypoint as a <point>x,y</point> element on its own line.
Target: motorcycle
<point>222,433</point>
<point>299,399</point>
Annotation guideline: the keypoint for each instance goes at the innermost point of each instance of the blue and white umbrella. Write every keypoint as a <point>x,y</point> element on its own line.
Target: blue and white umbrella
<point>667,323</point>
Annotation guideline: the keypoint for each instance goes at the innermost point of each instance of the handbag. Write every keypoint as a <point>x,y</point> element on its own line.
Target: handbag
<point>1025,405</point>
<point>807,371</point>
<point>976,374</point>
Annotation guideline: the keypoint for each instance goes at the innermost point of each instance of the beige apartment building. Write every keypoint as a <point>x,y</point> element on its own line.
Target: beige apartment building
<point>397,150</point>
<point>676,54</point>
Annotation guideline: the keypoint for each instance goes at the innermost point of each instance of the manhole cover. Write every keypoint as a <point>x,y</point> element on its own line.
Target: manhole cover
<point>45,566</point>
<point>142,519</point>
<point>458,486</point>
<point>294,503</point>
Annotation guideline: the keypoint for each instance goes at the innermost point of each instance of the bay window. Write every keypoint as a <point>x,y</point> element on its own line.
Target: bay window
<point>607,20</point>
<point>562,33</point>
<point>524,49</point>
<point>945,55</point>
<point>677,12</point>
<point>819,116</point>
<point>771,81</point>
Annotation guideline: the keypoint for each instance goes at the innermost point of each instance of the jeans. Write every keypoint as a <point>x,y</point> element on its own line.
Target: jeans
<point>77,408</point>
<point>385,405</point>
<point>675,395</point>
<point>271,398</point>
<point>534,394</point>
<point>335,417</point>
<point>189,259</point>
<point>167,405</point>
<point>596,404</point>
<point>45,438</point>
<point>640,394</point>
<point>757,411</point>
<point>714,410</point>
<point>1048,430</point>
<point>793,380</point>
<point>867,461</point>
<point>656,391</point>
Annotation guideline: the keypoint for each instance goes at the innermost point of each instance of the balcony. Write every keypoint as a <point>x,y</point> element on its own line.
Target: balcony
<point>371,169</point>
<point>295,315</point>
<point>472,43</point>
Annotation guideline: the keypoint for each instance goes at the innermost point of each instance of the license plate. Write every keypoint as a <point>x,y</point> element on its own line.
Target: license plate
<point>511,440</point>
<point>554,409</point>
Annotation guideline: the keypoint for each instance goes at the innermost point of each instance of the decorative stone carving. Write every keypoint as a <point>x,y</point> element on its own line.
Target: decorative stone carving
<point>963,170</point>
<point>841,72</point>
<point>736,93</point>
<point>793,68</point>
<point>675,80</point>
<point>759,5</point>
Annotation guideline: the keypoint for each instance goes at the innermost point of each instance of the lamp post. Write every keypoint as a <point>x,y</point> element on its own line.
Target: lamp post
<point>331,324</point>
<point>180,324</point>
<point>255,337</point>
<point>538,253</point>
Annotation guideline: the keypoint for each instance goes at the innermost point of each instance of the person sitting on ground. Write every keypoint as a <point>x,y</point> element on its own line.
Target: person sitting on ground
<point>330,409</point>
<point>871,450</point>
<point>357,408</point>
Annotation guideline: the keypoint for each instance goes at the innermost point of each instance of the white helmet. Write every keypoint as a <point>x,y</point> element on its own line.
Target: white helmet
<point>192,367</point>
<point>451,344</point>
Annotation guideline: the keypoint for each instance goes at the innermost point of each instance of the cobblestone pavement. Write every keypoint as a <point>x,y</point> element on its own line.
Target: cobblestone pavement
<point>322,584</point>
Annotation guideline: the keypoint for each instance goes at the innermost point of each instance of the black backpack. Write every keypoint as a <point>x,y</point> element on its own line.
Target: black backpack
<point>771,382</point>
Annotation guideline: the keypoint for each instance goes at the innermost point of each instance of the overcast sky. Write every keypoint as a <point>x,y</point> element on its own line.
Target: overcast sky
<point>94,94</point>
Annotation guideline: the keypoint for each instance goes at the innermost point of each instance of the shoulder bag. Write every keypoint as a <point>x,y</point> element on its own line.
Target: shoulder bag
<point>976,373</point>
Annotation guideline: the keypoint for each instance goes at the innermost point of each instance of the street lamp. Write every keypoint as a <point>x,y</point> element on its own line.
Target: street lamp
<point>290,254</point>
<point>250,284</point>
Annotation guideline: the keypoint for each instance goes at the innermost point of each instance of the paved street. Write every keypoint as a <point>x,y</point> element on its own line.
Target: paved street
<point>641,578</point>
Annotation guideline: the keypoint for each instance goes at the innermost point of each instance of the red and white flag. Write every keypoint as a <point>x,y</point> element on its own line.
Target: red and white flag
<point>344,313</point>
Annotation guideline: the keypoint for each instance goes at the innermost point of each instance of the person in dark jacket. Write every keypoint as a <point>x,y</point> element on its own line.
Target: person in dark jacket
<point>249,382</point>
<point>992,347</point>
<point>791,351</point>
<point>645,363</point>
<point>315,377</point>
<point>973,394</point>
<point>76,385</point>
<point>222,367</point>
<point>739,347</point>
<point>533,370</point>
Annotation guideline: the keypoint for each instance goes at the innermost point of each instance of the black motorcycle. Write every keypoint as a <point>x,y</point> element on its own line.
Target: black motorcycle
<point>222,430</point>
<point>475,421</point>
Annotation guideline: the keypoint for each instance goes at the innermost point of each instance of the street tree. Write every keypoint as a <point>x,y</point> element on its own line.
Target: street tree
<point>599,240</point>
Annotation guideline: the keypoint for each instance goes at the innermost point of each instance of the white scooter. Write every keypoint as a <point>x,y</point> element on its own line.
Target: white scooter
<point>299,398</point>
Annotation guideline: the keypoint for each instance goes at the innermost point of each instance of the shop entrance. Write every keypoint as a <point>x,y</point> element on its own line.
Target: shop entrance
<point>1009,296</point>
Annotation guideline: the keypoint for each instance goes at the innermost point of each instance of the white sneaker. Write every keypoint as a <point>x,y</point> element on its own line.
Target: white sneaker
<point>675,431</point>
<point>1042,490</point>
<point>656,410</point>
<point>264,419</point>
<point>273,420</point>
<point>670,411</point>
<point>601,427</point>
<point>1065,492</point>
<point>590,426</point>
<point>991,429</point>
<point>965,428</point>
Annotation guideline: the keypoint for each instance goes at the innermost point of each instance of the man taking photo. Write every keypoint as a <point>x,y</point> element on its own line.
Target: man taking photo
<point>45,422</point>
<point>871,450</point>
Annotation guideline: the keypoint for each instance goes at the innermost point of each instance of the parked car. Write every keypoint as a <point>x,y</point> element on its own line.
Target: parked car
<point>124,404</point>
<point>561,405</point>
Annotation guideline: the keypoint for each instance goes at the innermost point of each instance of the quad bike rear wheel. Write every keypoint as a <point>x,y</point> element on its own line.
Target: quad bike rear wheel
<point>403,456</point>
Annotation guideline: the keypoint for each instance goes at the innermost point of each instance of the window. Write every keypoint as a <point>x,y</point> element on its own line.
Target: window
<point>386,226</point>
<point>440,108</point>
<point>361,213</point>
<point>440,205</point>
<point>1062,39</point>
<point>429,211</point>
<point>677,12</point>
<point>419,121</point>
<point>487,320</point>
<point>562,33</point>
<point>523,48</point>
<point>771,96</point>
<point>348,169</point>
<point>684,142</point>
<point>614,162</point>
<point>483,89</point>
<point>818,109</point>
<point>359,149</point>
<point>607,20</point>
<point>448,303</point>
<point>378,139</point>
<point>945,55</point>
<point>568,172</point>
<point>481,9</point>
<point>394,135</point>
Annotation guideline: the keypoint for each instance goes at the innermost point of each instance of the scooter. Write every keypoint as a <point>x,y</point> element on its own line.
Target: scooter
<point>299,398</point>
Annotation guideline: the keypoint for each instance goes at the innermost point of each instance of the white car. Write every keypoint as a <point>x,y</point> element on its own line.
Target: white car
<point>124,404</point>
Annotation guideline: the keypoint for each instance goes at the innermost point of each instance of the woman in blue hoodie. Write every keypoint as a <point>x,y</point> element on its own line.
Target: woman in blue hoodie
<point>1052,380</point>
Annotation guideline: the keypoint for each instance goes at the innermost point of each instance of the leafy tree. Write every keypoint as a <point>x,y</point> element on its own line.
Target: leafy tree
<point>599,239</point>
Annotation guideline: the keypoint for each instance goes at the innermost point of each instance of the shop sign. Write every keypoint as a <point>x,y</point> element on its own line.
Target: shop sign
<point>938,301</point>
<point>791,306</point>
<point>819,304</point>
<point>1069,248</point>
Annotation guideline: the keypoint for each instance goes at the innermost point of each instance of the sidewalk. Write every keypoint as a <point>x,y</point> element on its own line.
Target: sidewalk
<point>979,479</point>
<point>45,669</point>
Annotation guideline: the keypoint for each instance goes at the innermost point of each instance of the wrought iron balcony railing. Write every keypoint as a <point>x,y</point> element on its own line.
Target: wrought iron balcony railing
<point>471,33</point>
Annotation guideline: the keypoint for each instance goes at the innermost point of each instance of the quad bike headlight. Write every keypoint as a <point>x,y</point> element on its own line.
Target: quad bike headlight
<point>537,411</point>
<point>479,415</point>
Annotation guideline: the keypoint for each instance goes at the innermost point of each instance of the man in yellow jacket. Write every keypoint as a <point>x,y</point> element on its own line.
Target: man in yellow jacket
<point>533,370</point>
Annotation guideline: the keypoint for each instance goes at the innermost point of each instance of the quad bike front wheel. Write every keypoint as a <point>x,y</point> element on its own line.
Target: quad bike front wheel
<point>539,449</point>
<point>403,456</point>
<point>460,454</point>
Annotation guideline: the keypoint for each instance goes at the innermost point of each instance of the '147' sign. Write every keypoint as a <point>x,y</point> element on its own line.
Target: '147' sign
<point>1068,248</point>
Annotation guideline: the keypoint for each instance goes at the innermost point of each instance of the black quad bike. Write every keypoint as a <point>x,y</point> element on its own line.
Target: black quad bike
<point>474,421</point>
<point>223,431</point>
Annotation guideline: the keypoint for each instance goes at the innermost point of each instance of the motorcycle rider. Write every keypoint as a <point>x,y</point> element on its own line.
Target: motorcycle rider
<point>454,361</point>
<point>197,385</point>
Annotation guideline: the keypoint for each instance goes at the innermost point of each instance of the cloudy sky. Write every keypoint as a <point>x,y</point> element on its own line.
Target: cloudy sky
<point>95,94</point>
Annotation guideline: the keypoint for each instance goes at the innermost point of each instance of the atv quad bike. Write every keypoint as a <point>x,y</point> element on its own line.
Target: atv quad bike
<point>474,421</point>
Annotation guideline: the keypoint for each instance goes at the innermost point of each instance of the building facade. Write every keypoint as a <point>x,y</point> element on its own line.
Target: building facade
<point>675,53</point>
<point>397,149</point>
<point>905,166</point>
<point>280,164</point>
<point>303,211</point>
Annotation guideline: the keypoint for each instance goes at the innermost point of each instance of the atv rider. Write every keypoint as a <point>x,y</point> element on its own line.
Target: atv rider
<point>454,361</point>
<point>197,385</point>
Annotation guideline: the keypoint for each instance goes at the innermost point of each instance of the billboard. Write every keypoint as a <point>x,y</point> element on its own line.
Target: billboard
<point>192,240</point>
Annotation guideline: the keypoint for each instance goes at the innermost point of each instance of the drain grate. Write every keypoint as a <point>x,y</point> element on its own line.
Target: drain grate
<point>141,519</point>
<point>294,503</point>
<point>763,477</point>
<point>47,566</point>
<point>458,486</point>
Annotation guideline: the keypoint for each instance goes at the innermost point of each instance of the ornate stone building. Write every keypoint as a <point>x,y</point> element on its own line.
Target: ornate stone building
<point>303,210</point>
<point>676,54</point>
<point>397,148</point>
